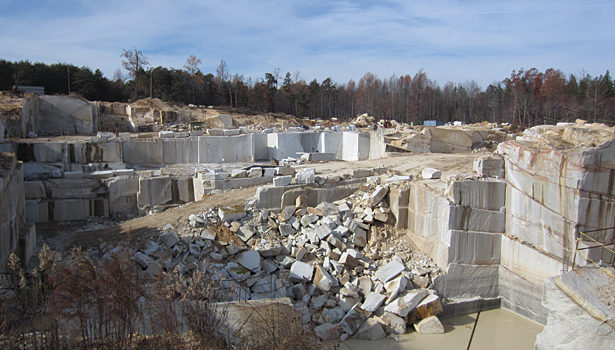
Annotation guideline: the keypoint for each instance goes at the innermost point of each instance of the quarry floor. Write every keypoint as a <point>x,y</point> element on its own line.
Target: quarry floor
<point>496,329</point>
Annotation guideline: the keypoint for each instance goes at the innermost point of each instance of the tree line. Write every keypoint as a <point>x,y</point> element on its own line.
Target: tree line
<point>527,97</point>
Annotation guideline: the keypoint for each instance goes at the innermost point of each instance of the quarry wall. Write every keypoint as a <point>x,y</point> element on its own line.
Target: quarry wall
<point>12,218</point>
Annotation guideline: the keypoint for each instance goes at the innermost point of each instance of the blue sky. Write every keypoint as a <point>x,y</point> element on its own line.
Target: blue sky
<point>449,40</point>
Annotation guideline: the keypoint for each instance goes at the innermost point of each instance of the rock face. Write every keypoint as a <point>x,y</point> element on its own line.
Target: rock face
<point>569,326</point>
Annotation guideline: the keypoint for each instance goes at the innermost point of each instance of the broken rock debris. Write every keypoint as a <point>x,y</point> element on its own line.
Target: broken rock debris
<point>335,261</point>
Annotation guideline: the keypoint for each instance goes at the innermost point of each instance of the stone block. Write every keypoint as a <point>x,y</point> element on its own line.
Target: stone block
<point>281,181</point>
<point>478,194</point>
<point>285,170</point>
<point>323,280</point>
<point>300,271</point>
<point>36,211</point>
<point>390,271</point>
<point>377,195</point>
<point>306,176</point>
<point>35,190</point>
<point>231,213</point>
<point>27,243</point>
<point>255,172</point>
<point>370,330</point>
<point>431,173</point>
<point>327,332</point>
<point>474,248</point>
<point>373,301</point>
<point>406,303</point>
<point>142,151</point>
<point>430,306</point>
<point>429,325</point>
<point>215,132</point>
<point>251,260</point>
<point>393,323</point>
<point>489,167</point>
<point>454,284</point>
<point>71,209</point>
<point>122,194</point>
<point>354,318</point>
<point>155,191</point>
<point>185,190</point>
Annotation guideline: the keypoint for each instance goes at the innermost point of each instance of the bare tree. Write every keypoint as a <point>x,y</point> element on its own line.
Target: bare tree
<point>133,61</point>
<point>192,67</point>
<point>223,77</point>
<point>192,64</point>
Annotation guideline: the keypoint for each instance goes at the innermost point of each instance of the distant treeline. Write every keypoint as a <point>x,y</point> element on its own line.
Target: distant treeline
<point>526,97</point>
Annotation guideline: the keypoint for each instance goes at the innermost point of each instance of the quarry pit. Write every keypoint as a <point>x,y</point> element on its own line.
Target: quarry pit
<point>364,232</point>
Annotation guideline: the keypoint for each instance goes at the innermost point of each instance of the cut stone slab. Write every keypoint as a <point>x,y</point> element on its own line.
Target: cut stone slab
<point>390,271</point>
<point>373,301</point>
<point>231,213</point>
<point>431,173</point>
<point>300,271</point>
<point>354,318</point>
<point>281,181</point>
<point>323,280</point>
<point>404,304</point>
<point>251,260</point>
<point>429,325</point>
<point>371,330</point>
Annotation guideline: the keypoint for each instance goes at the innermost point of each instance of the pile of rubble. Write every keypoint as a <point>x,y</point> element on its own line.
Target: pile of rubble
<point>340,263</point>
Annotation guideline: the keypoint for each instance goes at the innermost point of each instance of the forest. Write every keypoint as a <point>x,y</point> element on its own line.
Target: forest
<point>527,97</point>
